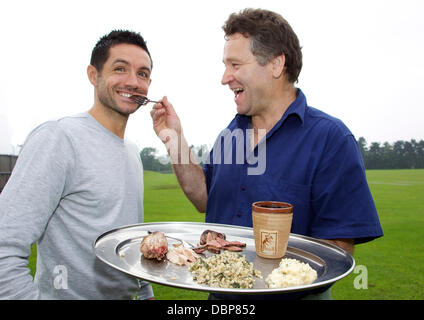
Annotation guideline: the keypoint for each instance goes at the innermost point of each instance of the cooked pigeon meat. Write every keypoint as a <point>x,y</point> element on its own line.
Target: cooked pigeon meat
<point>181,255</point>
<point>208,235</point>
<point>233,248</point>
<point>215,242</point>
<point>176,258</point>
<point>226,243</point>
<point>201,248</point>
<point>188,253</point>
<point>154,246</point>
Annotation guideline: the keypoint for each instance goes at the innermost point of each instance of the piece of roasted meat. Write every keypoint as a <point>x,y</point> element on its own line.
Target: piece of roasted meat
<point>208,235</point>
<point>181,255</point>
<point>154,246</point>
<point>215,242</point>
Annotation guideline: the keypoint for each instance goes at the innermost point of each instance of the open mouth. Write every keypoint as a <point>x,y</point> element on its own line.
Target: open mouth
<point>135,97</point>
<point>238,92</point>
<point>127,94</point>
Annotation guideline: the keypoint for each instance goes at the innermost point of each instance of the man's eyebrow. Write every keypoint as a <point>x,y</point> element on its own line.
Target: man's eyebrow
<point>145,68</point>
<point>120,61</point>
<point>232,59</point>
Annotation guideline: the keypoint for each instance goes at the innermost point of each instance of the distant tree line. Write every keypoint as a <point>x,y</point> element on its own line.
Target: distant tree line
<point>151,160</point>
<point>398,155</point>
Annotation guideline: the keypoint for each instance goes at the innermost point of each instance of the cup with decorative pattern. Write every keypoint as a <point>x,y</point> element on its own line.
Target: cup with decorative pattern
<point>272,222</point>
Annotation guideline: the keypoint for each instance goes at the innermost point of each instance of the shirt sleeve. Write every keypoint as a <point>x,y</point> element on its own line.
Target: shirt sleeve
<point>341,200</point>
<point>26,204</point>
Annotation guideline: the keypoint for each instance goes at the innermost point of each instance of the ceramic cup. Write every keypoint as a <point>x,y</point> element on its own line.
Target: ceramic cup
<point>271,227</point>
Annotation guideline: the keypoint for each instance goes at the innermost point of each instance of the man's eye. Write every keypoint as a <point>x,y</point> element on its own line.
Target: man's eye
<point>120,69</point>
<point>143,74</point>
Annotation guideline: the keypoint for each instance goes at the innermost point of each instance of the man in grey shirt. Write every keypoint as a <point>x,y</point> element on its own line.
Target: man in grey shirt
<point>75,178</point>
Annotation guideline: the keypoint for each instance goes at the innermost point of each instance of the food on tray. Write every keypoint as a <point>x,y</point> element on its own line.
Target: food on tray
<point>225,270</point>
<point>181,255</point>
<point>215,242</point>
<point>154,246</point>
<point>291,272</point>
<point>210,235</point>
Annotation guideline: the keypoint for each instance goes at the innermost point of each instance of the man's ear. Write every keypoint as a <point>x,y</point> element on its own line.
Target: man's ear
<point>278,64</point>
<point>92,74</point>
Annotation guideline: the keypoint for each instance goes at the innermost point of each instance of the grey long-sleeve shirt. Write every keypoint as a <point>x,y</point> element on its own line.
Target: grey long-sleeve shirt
<point>73,181</point>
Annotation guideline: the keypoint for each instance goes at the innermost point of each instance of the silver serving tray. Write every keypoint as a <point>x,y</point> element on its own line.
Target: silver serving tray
<point>120,248</point>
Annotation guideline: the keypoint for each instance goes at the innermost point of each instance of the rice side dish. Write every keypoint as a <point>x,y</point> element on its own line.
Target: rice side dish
<point>225,270</point>
<point>291,272</point>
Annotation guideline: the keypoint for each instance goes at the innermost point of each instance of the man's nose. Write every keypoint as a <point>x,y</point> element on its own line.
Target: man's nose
<point>227,77</point>
<point>132,80</point>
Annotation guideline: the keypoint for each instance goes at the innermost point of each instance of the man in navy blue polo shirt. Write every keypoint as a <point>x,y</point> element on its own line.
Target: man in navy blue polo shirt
<point>277,147</point>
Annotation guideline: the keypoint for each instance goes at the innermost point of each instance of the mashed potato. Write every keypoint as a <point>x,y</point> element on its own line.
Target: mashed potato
<point>291,272</point>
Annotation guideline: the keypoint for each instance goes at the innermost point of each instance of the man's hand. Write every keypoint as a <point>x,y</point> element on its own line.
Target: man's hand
<point>346,244</point>
<point>165,120</point>
<point>189,174</point>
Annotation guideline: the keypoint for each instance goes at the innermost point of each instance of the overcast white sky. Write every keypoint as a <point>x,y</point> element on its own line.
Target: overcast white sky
<point>362,62</point>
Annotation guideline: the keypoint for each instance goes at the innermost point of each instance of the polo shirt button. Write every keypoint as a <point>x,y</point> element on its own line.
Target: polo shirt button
<point>239,214</point>
<point>243,188</point>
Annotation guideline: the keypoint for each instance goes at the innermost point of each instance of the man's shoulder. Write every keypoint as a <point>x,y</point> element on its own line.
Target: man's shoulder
<point>56,129</point>
<point>321,120</point>
<point>61,123</point>
<point>71,121</point>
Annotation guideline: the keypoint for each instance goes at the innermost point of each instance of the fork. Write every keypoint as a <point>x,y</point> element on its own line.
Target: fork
<point>141,100</point>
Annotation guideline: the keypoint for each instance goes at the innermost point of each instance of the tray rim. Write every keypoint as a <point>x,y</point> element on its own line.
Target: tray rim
<point>228,290</point>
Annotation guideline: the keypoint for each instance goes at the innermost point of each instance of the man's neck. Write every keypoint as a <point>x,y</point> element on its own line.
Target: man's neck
<point>273,113</point>
<point>110,119</point>
<point>263,122</point>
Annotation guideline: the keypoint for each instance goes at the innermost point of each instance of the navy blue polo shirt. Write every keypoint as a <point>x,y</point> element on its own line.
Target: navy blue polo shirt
<point>308,159</point>
<point>311,160</point>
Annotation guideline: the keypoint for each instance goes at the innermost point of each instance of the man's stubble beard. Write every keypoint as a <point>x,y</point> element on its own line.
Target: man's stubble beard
<point>107,101</point>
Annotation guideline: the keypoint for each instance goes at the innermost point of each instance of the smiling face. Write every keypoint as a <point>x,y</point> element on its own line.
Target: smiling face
<point>126,72</point>
<point>249,81</point>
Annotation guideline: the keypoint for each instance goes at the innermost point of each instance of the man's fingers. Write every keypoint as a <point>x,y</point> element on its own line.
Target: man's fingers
<point>169,108</point>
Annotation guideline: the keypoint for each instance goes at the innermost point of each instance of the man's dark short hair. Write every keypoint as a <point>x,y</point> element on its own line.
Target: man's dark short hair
<point>270,36</point>
<point>100,53</point>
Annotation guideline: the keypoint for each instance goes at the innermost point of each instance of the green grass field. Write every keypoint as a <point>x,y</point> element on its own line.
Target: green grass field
<point>393,263</point>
